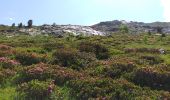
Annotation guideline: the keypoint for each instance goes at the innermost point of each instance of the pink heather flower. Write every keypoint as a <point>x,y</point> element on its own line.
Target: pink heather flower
<point>2,59</point>
<point>6,60</point>
<point>13,62</point>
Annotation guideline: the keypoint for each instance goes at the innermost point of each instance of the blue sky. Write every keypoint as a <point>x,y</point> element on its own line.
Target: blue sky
<point>82,12</point>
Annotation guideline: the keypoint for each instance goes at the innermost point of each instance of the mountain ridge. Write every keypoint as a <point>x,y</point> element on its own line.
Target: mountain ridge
<point>134,27</point>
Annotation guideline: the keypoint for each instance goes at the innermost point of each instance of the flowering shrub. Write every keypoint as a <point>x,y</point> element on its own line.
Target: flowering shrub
<point>149,76</point>
<point>115,67</point>
<point>27,58</point>
<point>107,89</point>
<point>5,50</point>
<point>37,90</point>
<point>150,59</point>
<point>7,63</point>
<point>6,73</point>
<point>142,50</point>
<point>99,50</point>
<point>44,71</point>
<point>72,58</point>
<point>4,47</point>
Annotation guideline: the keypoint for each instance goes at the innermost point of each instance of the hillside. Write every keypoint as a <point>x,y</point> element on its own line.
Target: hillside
<point>117,67</point>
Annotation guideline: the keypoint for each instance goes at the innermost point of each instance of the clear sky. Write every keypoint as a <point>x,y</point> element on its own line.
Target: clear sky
<point>83,12</point>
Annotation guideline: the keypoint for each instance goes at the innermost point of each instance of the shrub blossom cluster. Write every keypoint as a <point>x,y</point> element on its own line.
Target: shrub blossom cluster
<point>8,61</point>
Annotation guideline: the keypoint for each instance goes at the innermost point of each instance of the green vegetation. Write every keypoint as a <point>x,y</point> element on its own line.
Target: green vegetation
<point>118,67</point>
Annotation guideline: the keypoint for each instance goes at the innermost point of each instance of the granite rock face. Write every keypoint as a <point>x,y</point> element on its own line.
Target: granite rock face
<point>62,30</point>
<point>74,29</point>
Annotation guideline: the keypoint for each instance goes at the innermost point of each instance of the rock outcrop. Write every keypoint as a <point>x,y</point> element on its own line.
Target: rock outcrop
<point>134,27</point>
<point>62,30</point>
<point>74,29</point>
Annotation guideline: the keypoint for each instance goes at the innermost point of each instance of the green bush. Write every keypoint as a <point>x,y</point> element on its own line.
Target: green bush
<point>99,50</point>
<point>151,59</point>
<point>72,58</point>
<point>150,77</point>
<point>6,74</point>
<point>44,71</point>
<point>8,63</point>
<point>36,90</point>
<point>94,88</point>
<point>27,58</point>
<point>5,50</point>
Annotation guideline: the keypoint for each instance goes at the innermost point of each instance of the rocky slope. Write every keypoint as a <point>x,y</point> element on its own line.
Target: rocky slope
<point>134,27</point>
<point>101,28</point>
<point>62,30</point>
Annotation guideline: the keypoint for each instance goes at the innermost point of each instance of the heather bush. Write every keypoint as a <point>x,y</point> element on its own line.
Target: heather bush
<point>44,71</point>
<point>5,74</point>
<point>4,47</point>
<point>151,77</point>
<point>52,46</point>
<point>36,90</point>
<point>72,58</point>
<point>5,50</point>
<point>8,63</point>
<point>142,50</point>
<point>150,59</point>
<point>27,58</point>
<point>107,89</point>
<point>99,50</point>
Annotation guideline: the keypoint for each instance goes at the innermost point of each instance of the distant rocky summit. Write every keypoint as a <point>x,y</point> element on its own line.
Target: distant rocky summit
<point>134,27</point>
<point>102,28</point>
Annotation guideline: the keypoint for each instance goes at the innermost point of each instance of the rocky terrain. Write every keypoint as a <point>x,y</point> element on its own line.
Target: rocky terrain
<point>134,27</point>
<point>57,30</point>
<point>121,66</point>
<point>101,28</point>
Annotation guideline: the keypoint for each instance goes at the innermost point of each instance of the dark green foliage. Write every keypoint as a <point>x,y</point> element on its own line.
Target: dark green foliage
<point>123,29</point>
<point>69,57</point>
<point>151,77</point>
<point>163,35</point>
<point>5,74</point>
<point>27,58</point>
<point>151,59</point>
<point>13,25</point>
<point>20,25</point>
<point>99,50</point>
<point>159,30</point>
<point>30,22</point>
<point>44,71</point>
<point>35,89</point>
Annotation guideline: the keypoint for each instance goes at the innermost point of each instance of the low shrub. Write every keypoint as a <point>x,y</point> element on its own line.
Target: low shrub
<point>52,46</point>
<point>142,50</point>
<point>6,50</point>
<point>99,50</point>
<point>44,71</point>
<point>73,58</point>
<point>151,77</point>
<point>5,47</point>
<point>108,89</point>
<point>151,59</point>
<point>27,58</point>
<point>36,90</point>
<point>5,74</point>
<point>7,63</point>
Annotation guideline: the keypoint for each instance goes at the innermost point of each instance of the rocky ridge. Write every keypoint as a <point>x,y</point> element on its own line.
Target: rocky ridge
<point>61,30</point>
<point>134,27</point>
<point>102,28</point>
